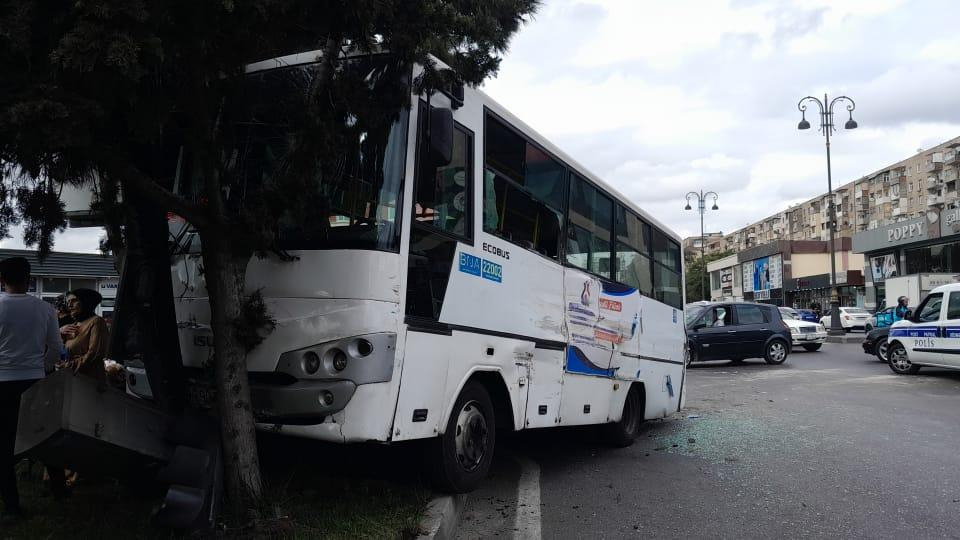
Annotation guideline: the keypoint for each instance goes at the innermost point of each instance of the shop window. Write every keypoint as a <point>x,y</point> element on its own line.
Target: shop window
<point>80,283</point>
<point>55,285</point>
<point>589,223</point>
<point>939,258</point>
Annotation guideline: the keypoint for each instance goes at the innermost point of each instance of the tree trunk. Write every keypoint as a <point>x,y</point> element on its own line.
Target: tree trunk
<point>224,271</point>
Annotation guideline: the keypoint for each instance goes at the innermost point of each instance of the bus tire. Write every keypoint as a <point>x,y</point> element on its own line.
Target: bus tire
<point>622,433</point>
<point>899,361</point>
<point>466,447</point>
<point>691,354</point>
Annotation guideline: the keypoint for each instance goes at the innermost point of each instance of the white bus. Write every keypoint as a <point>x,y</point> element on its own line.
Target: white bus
<point>451,284</point>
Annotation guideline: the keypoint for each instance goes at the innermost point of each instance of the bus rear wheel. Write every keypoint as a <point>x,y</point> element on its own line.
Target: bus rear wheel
<point>622,433</point>
<point>466,446</point>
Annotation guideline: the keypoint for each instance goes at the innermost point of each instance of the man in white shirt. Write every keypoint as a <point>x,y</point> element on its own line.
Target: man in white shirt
<point>29,349</point>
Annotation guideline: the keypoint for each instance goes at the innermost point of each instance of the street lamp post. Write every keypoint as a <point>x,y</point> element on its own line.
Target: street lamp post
<point>702,208</point>
<point>827,127</point>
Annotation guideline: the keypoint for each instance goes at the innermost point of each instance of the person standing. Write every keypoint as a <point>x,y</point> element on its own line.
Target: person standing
<point>87,338</point>
<point>29,349</point>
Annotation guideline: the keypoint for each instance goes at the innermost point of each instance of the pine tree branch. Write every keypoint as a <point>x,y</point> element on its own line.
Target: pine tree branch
<point>131,177</point>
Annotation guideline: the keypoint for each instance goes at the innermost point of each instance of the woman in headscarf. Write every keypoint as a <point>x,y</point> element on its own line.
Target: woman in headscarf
<point>87,338</point>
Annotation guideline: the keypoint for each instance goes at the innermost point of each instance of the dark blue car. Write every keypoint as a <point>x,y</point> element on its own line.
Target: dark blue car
<point>737,330</point>
<point>808,315</point>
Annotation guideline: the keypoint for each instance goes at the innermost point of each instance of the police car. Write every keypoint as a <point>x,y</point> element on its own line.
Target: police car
<point>928,336</point>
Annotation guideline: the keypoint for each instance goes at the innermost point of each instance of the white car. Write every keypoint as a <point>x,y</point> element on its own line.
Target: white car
<point>851,318</point>
<point>808,335</point>
<point>929,335</point>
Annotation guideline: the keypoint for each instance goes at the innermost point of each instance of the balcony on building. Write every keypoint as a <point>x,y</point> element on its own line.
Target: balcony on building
<point>949,175</point>
<point>935,199</point>
<point>935,161</point>
<point>933,182</point>
<point>950,156</point>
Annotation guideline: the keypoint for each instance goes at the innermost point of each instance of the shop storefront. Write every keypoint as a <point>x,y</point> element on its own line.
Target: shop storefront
<point>763,279</point>
<point>813,292</point>
<point>927,245</point>
<point>725,279</point>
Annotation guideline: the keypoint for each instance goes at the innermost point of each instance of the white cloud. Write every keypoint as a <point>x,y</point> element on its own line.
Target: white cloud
<point>661,98</point>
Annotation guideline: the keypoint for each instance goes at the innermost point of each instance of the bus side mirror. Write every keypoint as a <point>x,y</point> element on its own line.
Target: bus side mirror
<point>441,136</point>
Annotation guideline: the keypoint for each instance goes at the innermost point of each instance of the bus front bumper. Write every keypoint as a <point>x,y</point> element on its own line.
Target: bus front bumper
<point>303,402</point>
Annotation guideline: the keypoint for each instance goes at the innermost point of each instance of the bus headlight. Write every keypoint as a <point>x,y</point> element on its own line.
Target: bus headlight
<point>339,359</point>
<point>311,362</point>
<point>361,359</point>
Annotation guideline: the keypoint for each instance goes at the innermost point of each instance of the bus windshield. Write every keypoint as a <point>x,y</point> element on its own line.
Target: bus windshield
<point>351,199</point>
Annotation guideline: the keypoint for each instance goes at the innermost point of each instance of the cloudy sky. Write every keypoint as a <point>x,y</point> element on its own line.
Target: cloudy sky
<point>664,97</point>
<point>661,98</point>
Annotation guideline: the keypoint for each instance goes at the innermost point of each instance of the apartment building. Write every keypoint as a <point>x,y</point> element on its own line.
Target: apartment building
<point>926,182</point>
<point>712,242</point>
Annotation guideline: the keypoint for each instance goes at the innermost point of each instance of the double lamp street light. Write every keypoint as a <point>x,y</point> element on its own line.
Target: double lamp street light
<point>826,127</point>
<point>701,198</point>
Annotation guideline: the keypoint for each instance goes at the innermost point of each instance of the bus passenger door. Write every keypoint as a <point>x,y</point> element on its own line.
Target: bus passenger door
<point>441,211</point>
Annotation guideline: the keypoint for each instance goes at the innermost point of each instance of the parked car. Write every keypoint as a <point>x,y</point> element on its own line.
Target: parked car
<point>738,330</point>
<point>808,315</point>
<point>810,336</point>
<point>928,335</point>
<point>851,318</point>
<point>789,313</point>
<point>875,343</point>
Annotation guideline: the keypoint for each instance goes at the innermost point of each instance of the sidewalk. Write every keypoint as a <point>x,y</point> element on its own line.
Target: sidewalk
<point>846,338</point>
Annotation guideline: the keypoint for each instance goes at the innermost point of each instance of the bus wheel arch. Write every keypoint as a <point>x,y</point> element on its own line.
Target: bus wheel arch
<point>464,450</point>
<point>623,432</point>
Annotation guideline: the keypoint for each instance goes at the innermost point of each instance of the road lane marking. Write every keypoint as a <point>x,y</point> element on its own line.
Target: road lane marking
<point>527,517</point>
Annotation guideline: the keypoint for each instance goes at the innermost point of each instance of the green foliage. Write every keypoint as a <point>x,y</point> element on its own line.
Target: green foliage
<point>93,89</point>
<point>696,271</point>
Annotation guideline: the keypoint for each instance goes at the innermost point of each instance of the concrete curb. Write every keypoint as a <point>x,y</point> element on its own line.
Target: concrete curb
<point>442,517</point>
<point>858,338</point>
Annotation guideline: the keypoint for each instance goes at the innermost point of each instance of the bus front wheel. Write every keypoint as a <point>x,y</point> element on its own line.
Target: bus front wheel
<point>466,447</point>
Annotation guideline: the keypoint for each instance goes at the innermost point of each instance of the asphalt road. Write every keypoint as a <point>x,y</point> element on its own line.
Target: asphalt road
<point>830,444</point>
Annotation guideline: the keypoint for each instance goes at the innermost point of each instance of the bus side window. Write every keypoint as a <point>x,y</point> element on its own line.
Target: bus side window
<point>666,270</point>
<point>633,252</point>
<point>523,191</point>
<point>589,224</point>
<point>514,215</point>
<point>442,193</point>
